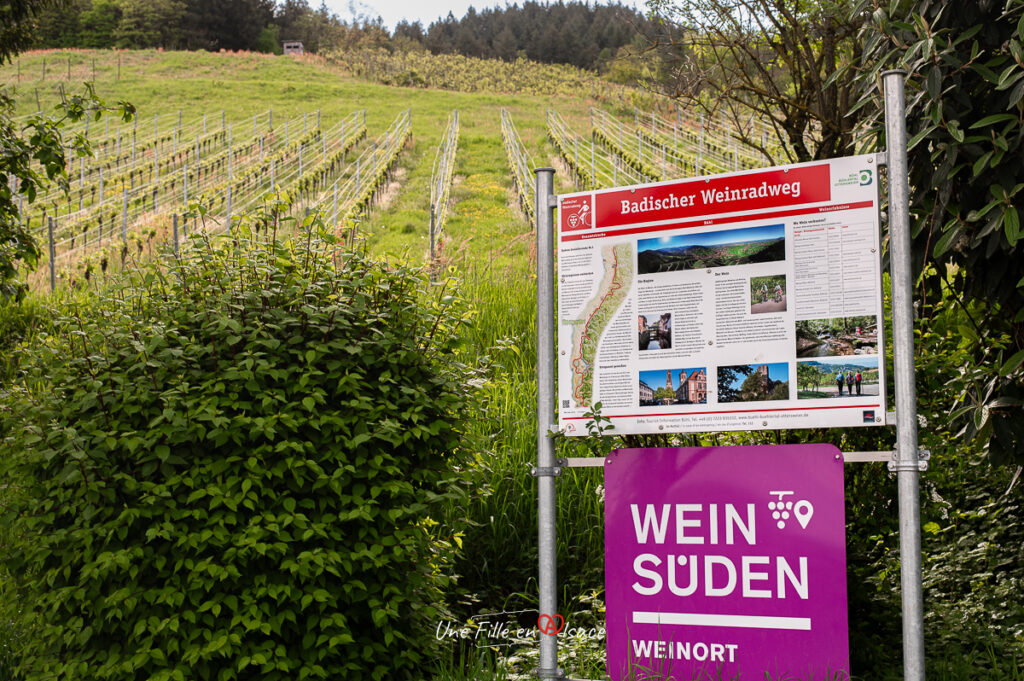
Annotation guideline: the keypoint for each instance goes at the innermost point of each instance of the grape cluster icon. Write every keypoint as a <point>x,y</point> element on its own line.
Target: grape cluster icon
<point>782,509</point>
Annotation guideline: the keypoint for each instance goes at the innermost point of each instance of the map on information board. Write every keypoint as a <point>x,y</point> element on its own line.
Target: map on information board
<point>739,301</point>
<point>615,284</point>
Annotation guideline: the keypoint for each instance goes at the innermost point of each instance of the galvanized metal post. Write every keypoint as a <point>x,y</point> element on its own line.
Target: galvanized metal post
<point>433,224</point>
<point>700,147</point>
<point>175,235</point>
<point>907,464</point>
<point>547,583</point>
<point>53,258</point>
<point>124,216</point>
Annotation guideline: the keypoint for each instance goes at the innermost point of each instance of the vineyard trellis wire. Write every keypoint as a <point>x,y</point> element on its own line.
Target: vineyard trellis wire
<point>520,163</point>
<point>748,140</point>
<point>248,170</point>
<point>225,168</point>
<point>591,166</point>
<point>441,180</point>
<point>358,188</point>
<point>155,162</point>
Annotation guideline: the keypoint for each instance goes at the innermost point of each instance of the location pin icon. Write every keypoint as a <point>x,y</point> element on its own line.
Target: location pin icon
<point>803,510</point>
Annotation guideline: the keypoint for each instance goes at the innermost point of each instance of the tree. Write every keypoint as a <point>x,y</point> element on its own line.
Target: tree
<point>99,22</point>
<point>727,375</point>
<point>32,156</point>
<point>754,387</point>
<point>151,23</point>
<point>807,377</point>
<point>17,25</point>
<point>57,24</point>
<point>965,104</point>
<point>783,61</point>
<point>226,24</point>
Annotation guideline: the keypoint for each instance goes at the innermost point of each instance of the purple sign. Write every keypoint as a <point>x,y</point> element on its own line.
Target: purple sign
<point>726,563</point>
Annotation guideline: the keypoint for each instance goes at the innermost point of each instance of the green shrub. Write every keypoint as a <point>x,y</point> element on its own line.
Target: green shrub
<point>19,321</point>
<point>231,466</point>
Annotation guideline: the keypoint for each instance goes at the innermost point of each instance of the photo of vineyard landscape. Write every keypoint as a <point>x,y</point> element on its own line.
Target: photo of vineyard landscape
<point>269,353</point>
<point>712,249</point>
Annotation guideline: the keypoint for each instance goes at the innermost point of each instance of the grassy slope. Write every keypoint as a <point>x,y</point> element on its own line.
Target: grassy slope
<point>481,225</point>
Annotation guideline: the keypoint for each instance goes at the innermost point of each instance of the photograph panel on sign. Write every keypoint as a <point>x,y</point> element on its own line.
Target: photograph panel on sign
<point>768,294</point>
<point>654,331</point>
<point>837,336</point>
<point>664,387</point>
<point>753,382</point>
<point>723,248</point>
<point>837,377</point>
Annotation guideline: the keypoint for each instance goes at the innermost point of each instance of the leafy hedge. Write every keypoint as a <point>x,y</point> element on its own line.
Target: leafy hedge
<point>230,468</point>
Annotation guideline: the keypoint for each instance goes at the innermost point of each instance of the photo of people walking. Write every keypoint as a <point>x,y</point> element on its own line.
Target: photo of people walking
<point>837,377</point>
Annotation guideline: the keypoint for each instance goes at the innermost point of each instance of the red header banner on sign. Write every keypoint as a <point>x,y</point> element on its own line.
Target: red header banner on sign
<point>797,185</point>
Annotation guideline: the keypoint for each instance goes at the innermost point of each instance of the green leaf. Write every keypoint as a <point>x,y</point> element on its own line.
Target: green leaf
<point>946,241</point>
<point>1011,224</point>
<point>955,131</point>
<point>1012,364</point>
<point>995,118</point>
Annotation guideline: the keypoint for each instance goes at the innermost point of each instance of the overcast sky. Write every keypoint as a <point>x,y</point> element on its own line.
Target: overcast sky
<point>424,11</point>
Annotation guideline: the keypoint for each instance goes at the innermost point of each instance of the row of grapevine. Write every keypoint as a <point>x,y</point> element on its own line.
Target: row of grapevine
<point>592,166</point>
<point>691,154</point>
<point>758,134</point>
<point>711,143</point>
<point>520,163</point>
<point>302,166</point>
<point>302,177</point>
<point>472,74</point>
<point>131,155</point>
<point>441,180</point>
<point>151,156</point>
<point>359,185</point>
<point>175,186</point>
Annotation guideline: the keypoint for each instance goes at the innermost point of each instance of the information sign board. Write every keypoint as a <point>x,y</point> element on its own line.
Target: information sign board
<point>740,301</point>
<point>726,563</point>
